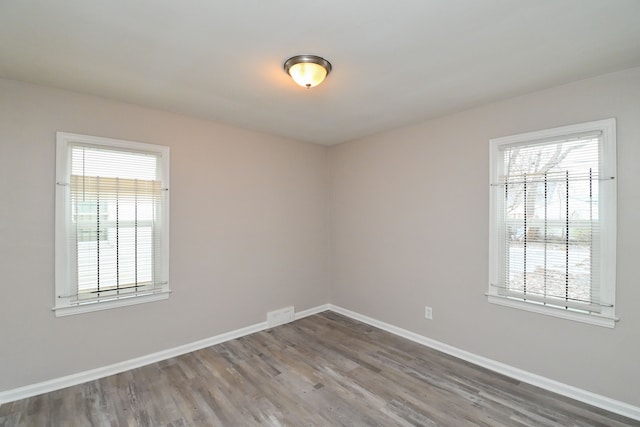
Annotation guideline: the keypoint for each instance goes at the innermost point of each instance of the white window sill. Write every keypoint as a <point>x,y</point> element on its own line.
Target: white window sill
<point>87,307</point>
<point>592,319</point>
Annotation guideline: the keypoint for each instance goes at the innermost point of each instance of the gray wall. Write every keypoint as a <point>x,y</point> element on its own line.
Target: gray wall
<point>248,233</point>
<point>409,228</point>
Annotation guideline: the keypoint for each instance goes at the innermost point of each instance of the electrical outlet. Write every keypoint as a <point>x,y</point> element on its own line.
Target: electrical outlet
<point>428,313</point>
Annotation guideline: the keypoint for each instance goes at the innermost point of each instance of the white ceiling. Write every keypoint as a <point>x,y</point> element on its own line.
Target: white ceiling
<point>394,62</point>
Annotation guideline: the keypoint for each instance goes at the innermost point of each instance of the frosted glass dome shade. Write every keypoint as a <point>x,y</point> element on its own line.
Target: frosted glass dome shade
<point>307,70</point>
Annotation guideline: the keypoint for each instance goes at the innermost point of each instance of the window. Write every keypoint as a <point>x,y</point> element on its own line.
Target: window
<point>553,222</point>
<point>112,223</point>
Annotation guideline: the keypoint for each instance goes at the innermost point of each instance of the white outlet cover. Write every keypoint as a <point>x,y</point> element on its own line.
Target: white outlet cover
<point>428,313</point>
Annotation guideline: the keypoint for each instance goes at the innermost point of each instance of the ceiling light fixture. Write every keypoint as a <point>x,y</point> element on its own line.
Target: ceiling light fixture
<point>307,70</point>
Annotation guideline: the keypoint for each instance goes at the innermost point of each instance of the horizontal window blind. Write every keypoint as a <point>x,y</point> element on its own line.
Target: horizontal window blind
<point>550,228</point>
<point>116,199</point>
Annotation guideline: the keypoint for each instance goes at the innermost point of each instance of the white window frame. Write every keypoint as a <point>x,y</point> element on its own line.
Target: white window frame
<point>65,255</point>
<point>607,221</point>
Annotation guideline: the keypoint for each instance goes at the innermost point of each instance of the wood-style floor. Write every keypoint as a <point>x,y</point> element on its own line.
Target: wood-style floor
<point>323,370</point>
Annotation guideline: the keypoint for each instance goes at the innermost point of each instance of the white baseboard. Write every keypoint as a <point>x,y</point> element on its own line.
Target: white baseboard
<point>588,397</point>
<point>597,400</point>
<point>116,368</point>
<point>312,311</point>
